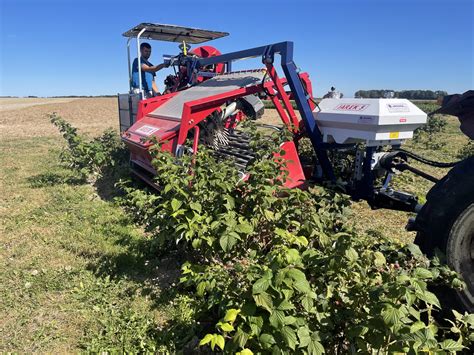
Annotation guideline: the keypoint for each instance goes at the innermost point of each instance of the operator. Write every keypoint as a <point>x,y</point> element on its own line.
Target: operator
<point>148,71</point>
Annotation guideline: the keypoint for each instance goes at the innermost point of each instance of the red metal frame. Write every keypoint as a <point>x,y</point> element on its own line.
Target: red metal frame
<point>173,134</point>
<point>206,52</point>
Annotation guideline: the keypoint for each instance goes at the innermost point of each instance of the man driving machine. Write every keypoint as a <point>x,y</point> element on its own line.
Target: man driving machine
<point>148,71</point>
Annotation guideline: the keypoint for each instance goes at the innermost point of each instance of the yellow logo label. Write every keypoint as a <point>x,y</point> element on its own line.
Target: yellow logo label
<point>394,135</point>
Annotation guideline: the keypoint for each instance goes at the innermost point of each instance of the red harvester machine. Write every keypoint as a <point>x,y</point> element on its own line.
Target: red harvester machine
<point>204,101</point>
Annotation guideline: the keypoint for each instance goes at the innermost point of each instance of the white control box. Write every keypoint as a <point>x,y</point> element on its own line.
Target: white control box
<point>372,121</point>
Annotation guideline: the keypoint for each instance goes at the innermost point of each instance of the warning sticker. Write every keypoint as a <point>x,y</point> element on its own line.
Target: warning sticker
<point>398,107</point>
<point>147,130</point>
<point>351,107</point>
<point>394,135</point>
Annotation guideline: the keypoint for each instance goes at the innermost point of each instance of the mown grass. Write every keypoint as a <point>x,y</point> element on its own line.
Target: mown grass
<point>76,273</point>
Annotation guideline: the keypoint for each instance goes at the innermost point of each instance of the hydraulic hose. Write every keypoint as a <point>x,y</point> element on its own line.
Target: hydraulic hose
<point>436,164</point>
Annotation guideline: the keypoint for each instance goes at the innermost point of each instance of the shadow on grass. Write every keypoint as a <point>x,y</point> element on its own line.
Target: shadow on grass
<point>105,184</point>
<point>53,179</point>
<point>137,258</point>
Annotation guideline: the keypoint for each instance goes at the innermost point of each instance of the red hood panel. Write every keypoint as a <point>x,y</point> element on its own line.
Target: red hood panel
<point>142,130</point>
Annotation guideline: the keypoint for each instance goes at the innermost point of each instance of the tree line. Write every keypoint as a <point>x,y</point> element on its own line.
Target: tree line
<point>404,94</point>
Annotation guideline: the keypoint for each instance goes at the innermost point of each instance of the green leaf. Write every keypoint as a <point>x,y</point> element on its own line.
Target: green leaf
<point>168,188</point>
<point>429,298</point>
<point>417,326</point>
<point>300,282</point>
<point>418,285</point>
<point>261,285</point>
<point>244,228</point>
<point>451,345</point>
<point>423,273</point>
<point>414,249</point>
<point>457,315</point>
<point>175,204</point>
<point>267,340</point>
<point>296,274</point>
<point>415,313</point>
<point>292,256</point>
<point>249,309</point>
<point>307,303</point>
<point>303,286</point>
<point>240,338</point>
<point>304,337</point>
<point>391,315</point>
<point>379,259</point>
<point>289,336</point>
<point>315,347</point>
<point>196,206</point>
<point>206,339</point>
<point>196,243</point>
<point>264,300</point>
<point>201,288</point>
<point>231,315</point>
<point>285,306</point>
<point>469,318</point>
<point>227,327</point>
<point>245,352</point>
<point>227,241</point>
<point>277,319</point>
<point>220,341</point>
<point>302,241</point>
<point>269,215</point>
<point>256,324</point>
<point>352,255</point>
<point>230,203</point>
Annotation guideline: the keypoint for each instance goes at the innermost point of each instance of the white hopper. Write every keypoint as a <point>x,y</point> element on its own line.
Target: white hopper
<point>373,121</point>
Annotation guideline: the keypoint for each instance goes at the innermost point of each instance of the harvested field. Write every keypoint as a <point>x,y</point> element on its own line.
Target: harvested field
<point>9,104</point>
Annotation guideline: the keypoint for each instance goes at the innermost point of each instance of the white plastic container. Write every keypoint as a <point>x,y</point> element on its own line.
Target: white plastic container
<point>373,121</point>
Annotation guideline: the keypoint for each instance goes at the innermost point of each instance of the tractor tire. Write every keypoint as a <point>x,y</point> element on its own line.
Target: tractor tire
<point>446,222</point>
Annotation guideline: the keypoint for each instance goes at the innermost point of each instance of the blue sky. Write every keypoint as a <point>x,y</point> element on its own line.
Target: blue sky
<point>71,47</point>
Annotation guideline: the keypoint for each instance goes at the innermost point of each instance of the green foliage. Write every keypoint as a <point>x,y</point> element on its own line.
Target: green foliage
<point>404,94</point>
<point>269,104</point>
<point>427,106</point>
<point>466,151</point>
<point>89,157</point>
<point>428,133</point>
<point>278,270</point>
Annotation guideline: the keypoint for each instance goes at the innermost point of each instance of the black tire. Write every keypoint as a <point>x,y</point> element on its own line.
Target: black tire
<point>446,222</point>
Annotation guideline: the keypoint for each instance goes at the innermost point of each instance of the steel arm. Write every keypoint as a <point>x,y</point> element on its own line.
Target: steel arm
<point>285,49</point>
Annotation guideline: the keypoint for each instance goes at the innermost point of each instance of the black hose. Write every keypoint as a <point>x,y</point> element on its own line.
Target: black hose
<point>310,96</point>
<point>436,164</point>
<point>404,166</point>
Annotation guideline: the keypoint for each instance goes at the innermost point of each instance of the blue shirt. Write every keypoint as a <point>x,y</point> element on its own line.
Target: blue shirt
<point>147,77</point>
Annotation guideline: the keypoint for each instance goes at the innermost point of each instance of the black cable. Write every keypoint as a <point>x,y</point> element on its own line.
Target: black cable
<point>264,88</point>
<point>307,94</point>
<point>436,164</point>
